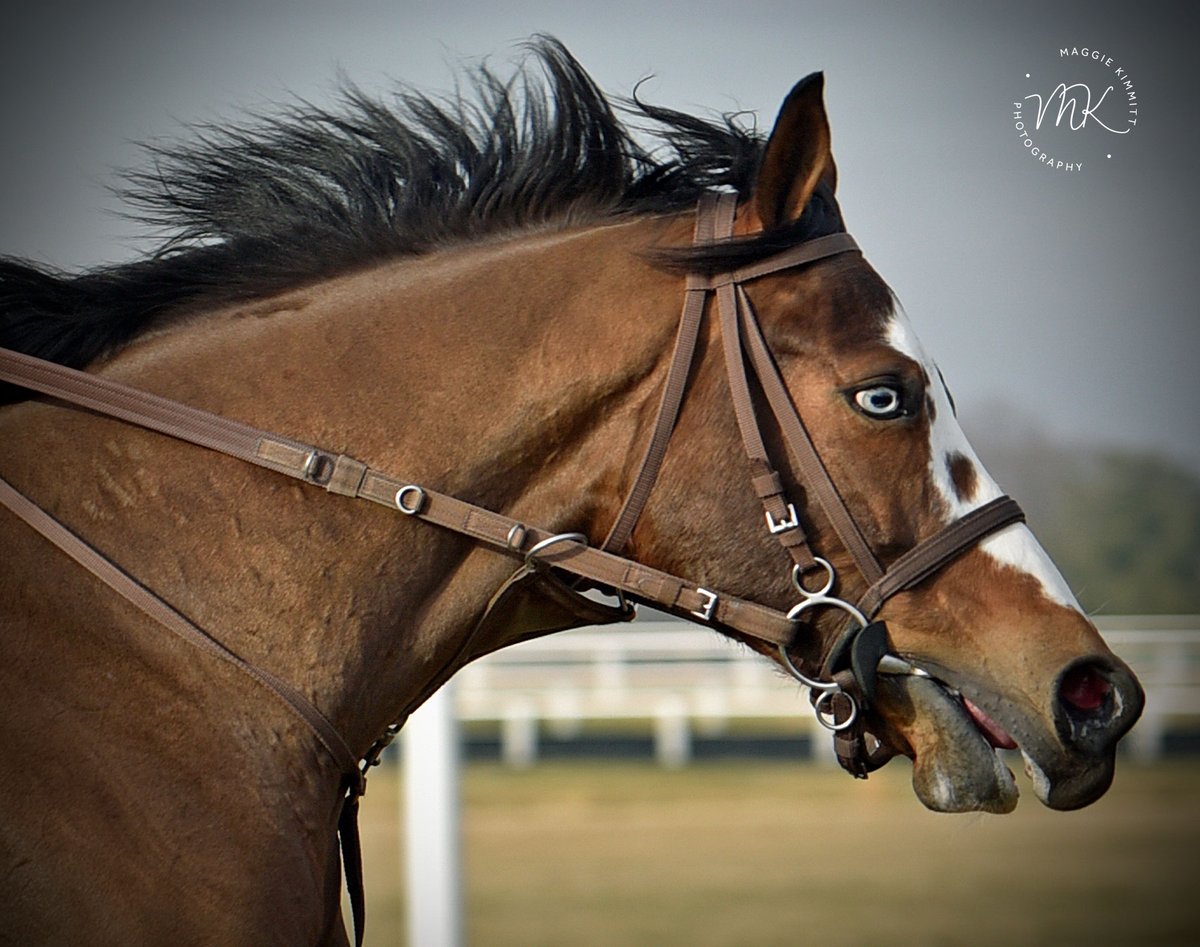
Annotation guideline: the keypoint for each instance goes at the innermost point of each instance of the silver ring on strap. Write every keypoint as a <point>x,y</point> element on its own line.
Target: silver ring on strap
<point>820,597</point>
<point>827,691</point>
<point>532,556</point>
<point>410,499</point>
<point>516,536</point>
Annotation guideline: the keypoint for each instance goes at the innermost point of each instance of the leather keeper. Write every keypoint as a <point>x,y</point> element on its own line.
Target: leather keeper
<point>768,485</point>
<point>347,476</point>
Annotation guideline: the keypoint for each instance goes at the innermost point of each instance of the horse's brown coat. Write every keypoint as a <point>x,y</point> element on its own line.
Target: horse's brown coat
<point>150,795</point>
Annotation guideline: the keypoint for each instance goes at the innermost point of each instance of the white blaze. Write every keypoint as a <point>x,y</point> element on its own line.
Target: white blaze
<point>1013,546</point>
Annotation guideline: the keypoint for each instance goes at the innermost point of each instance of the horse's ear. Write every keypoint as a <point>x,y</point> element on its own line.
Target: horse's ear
<point>797,156</point>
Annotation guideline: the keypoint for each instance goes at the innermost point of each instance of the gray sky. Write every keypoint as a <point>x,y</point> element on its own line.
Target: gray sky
<point>1068,298</point>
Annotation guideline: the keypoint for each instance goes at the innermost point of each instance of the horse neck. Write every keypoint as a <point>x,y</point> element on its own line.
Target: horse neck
<point>515,375</point>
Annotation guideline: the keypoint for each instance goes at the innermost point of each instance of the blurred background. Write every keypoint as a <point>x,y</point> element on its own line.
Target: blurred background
<point>1061,305</point>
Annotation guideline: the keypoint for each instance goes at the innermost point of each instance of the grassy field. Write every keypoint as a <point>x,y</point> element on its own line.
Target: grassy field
<point>582,854</point>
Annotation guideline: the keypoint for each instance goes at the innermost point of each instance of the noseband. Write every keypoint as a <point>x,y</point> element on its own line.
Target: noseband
<point>840,690</point>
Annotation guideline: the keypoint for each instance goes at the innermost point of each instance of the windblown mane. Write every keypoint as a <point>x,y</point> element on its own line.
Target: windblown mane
<point>251,210</point>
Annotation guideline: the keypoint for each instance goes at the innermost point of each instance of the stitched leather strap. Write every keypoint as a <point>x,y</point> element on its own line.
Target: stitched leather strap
<point>714,221</point>
<point>741,334</point>
<point>811,469</point>
<point>349,477</point>
<point>684,354</point>
<point>137,594</point>
<point>924,559</point>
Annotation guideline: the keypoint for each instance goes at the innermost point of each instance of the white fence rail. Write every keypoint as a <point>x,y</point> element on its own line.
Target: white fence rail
<point>684,679</point>
<point>1164,652</point>
<point>680,677</point>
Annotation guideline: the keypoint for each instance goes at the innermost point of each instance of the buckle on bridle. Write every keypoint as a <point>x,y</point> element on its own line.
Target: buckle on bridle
<point>706,611</point>
<point>775,526</point>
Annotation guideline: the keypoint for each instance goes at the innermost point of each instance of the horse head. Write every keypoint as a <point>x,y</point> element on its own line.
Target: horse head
<point>998,652</point>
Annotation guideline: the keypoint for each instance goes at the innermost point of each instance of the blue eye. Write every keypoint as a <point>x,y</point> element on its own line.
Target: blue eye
<point>882,402</point>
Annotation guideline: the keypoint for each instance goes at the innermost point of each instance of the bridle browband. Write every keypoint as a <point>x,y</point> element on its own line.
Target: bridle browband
<point>568,553</point>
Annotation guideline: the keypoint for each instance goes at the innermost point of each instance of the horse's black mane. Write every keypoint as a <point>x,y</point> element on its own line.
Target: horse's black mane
<point>252,210</point>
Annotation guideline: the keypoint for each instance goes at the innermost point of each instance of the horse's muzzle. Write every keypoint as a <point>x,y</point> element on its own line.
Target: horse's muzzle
<point>1068,746</point>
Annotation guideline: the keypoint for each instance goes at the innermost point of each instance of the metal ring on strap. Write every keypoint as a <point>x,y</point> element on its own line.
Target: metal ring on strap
<point>516,536</point>
<point>410,499</point>
<point>532,556</point>
<point>827,691</point>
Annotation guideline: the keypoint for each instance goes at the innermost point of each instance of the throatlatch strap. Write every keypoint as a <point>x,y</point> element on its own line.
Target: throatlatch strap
<point>694,300</point>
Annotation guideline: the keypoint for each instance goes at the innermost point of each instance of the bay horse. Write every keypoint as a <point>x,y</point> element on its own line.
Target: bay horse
<point>475,301</point>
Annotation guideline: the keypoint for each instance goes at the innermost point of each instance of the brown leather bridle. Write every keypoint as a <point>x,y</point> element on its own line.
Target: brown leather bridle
<point>839,693</point>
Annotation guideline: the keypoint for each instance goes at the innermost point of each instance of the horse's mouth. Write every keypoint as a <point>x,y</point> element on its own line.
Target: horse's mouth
<point>959,744</point>
<point>956,766</point>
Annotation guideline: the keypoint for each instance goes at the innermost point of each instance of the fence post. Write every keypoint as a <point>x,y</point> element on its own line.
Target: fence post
<point>519,734</point>
<point>432,825</point>
<point>672,733</point>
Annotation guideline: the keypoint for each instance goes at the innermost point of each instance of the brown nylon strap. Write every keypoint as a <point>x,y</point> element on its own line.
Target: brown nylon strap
<point>811,469</point>
<point>920,562</point>
<point>149,411</point>
<point>684,355</point>
<point>807,252</point>
<point>311,464</point>
<point>138,595</point>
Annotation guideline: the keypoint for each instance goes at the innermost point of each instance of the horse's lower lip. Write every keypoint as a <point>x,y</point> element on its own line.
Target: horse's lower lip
<point>996,735</point>
<point>993,732</point>
<point>955,766</point>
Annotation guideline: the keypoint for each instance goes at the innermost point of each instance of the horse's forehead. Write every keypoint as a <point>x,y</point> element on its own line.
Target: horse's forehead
<point>961,480</point>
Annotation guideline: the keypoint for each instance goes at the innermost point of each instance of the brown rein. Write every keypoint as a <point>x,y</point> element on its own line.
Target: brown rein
<point>602,567</point>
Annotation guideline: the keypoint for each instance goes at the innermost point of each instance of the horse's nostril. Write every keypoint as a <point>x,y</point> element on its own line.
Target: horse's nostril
<point>1098,701</point>
<point>1084,688</point>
